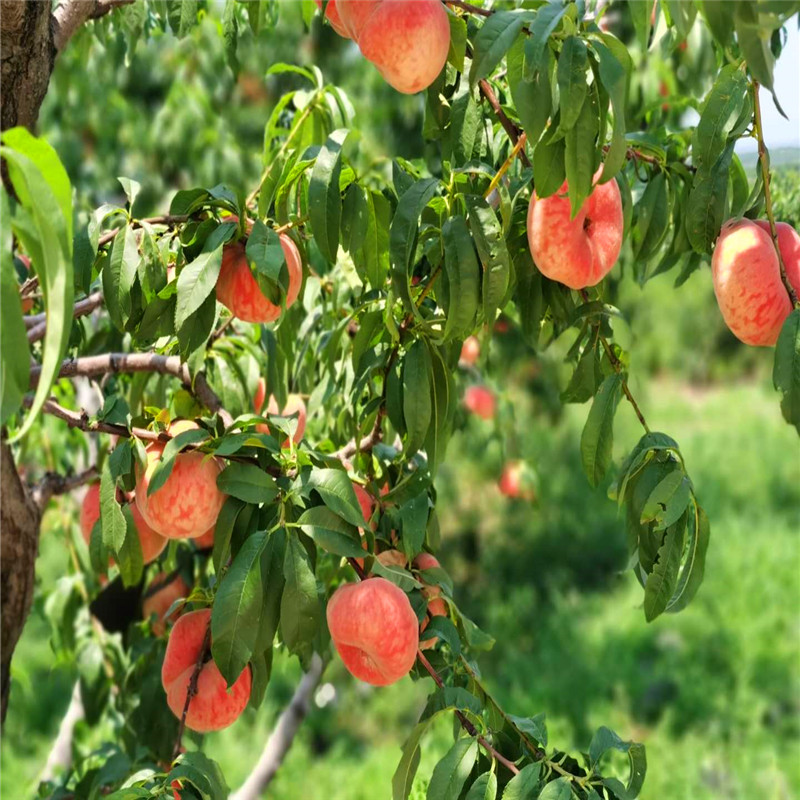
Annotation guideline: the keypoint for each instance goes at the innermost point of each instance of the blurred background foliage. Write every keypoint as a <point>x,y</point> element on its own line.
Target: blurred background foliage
<point>714,692</point>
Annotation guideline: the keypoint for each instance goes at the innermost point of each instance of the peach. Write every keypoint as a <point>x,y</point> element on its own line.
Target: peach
<point>365,500</point>
<point>158,598</point>
<point>213,707</point>
<point>480,400</point>
<point>392,558</point>
<point>513,481</point>
<point>436,606</point>
<point>294,406</point>
<point>238,290</point>
<point>470,352</point>
<point>747,281</point>
<point>332,15</point>
<point>577,252</point>
<point>374,630</point>
<point>188,502</point>
<point>354,14</point>
<point>90,511</point>
<point>260,396</point>
<point>407,40</point>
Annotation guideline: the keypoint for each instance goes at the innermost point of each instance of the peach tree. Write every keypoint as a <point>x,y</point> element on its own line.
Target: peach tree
<point>279,366</point>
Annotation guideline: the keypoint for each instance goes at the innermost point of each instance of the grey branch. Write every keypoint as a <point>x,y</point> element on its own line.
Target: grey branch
<point>282,736</point>
<point>53,483</point>
<point>71,14</point>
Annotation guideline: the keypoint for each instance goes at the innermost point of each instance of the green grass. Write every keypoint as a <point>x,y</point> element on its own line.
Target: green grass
<point>714,692</point>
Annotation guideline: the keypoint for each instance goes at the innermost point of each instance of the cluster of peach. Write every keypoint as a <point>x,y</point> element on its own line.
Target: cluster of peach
<point>580,252</point>
<point>407,40</point>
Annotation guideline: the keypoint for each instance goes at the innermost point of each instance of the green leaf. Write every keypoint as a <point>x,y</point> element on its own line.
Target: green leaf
<point>416,395</point>
<point>492,42</point>
<point>400,577</point>
<point>355,214</point>
<point>223,530</point>
<point>330,532</point>
<point>118,270</point>
<point>324,197</point>
<point>458,41</point>
<point>524,785</point>
<point>403,777</point>
<point>375,250</point>
<point>112,519</point>
<point>694,568</point>
<point>247,482</point>
<point>640,16</point>
<point>548,167</point>
<point>452,697</point>
<point>336,490</point>
<point>414,518</point>
<point>706,207</point>
<point>237,608</point>
<point>451,773</point>
<point>15,359</point>
<point>460,279</point>
<point>265,253</point>
<point>652,218</point>
<point>571,75</point>
<point>532,98</point>
<point>558,789</point>
<point>579,154</point>
<point>484,787</point>
<point>754,41</point>
<point>200,771</point>
<point>300,609</point>
<point>786,369</point>
<point>663,580</point>
<point>493,252</point>
<point>196,282</point>
<point>43,225</point>
<point>668,500</point>
<point>466,124</point>
<point>719,18</point>
<point>272,581</point>
<point>598,433</point>
<point>547,19</point>
<point>615,67</point>
<point>442,409</point>
<point>604,740</point>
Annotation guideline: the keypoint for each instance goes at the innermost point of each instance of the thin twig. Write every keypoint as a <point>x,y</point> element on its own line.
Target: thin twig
<point>763,157</point>
<point>469,8</point>
<point>54,483</point>
<point>191,689</point>
<point>366,443</point>
<point>165,219</point>
<point>38,323</point>
<point>510,128</point>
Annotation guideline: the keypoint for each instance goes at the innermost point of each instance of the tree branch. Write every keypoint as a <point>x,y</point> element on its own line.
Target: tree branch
<point>113,363</point>
<point>282,736</point>
<point>365,443</point>
<point>71,14</point>
<point>61,752</point>
<point>37,324</point>
<point>54,484</point>
<point>510,128</point>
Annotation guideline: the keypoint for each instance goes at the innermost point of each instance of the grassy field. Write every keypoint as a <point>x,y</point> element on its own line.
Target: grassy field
<point>713,691</point>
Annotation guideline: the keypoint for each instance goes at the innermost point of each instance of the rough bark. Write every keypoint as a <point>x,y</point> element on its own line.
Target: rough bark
<point>19,545</point>
<point>28,55</point>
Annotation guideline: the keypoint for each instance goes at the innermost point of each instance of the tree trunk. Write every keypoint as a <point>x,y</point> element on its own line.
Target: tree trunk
<point>28,54</point>
<point>19,546</point>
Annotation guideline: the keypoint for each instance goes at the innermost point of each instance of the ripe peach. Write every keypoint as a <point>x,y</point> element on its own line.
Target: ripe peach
<point>407,40</point>
<point>332,14</point>
<point>374,630</point>
<point>213,707</point>
<point>514,482</point>
<point>354,14</point>
<point>260,396</point>
<point>481,401</point>
<point>577,252</point>
<point>158,598</point>
<point>365,500</point>
<point>751,296</point>
<point>238,290</point>
<point>294,406</point>
<point>436,606</point>
<point>470,352</point>
<point>188,503</point>
<point>90,511</point>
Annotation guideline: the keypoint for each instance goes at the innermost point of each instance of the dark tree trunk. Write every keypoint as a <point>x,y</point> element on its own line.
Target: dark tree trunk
<point>28,54</point>
<point>19,546</point>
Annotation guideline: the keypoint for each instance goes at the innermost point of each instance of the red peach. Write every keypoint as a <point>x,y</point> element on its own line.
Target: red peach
<point>577,252</point>
<point>90,511</point>
<point>238,290</point>
<point>374,630</point>
<point>481,401</point>
<point>751,296</point>
<point>189,502</point>
<point>470,352</point>
<point>260,396</point>
<point>354,14</point>
<point>408,41</point>
<point>513,481</point>
<point>213,707</point>
<point>332,14</point>
<point>436,606</point>
<point>158,599</point>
